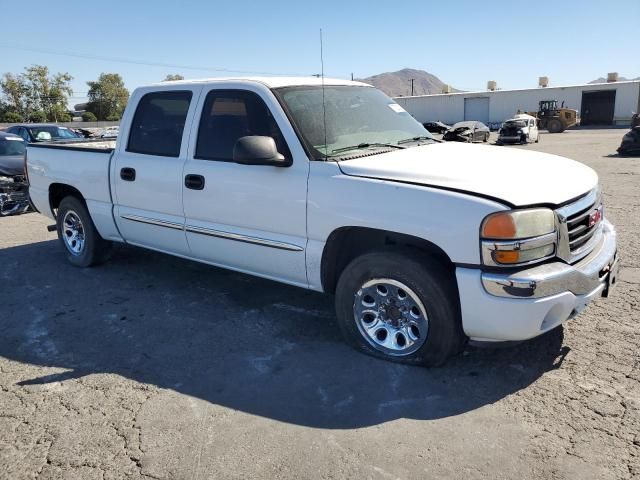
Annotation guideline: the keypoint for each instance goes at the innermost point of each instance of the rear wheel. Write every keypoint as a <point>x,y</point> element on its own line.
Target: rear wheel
<point>82,243</point>
<point>400,307</point>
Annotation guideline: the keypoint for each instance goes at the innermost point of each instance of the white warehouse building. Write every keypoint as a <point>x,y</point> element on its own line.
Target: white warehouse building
<point>597,104</point>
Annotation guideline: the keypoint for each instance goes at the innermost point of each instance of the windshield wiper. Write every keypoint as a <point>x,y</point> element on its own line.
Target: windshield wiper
<point>365,145</point>
<point>417,139</point>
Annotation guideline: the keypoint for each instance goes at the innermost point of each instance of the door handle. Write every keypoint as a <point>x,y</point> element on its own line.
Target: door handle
<point>128,174</point>
<point>194,182</point>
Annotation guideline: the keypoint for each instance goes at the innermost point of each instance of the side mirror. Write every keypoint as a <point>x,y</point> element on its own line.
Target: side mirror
<point>258,150</point>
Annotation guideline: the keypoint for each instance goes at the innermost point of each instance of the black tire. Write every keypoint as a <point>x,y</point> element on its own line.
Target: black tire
<point>538,138</point>
<point>429,279</point>
<point>94,249</point>
<point>524,140</point>
<point>554,126</point>
<point>486,138</point>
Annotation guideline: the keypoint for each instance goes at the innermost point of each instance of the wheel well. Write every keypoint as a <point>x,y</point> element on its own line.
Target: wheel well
<point>347,243</point>
<point>58,191</point>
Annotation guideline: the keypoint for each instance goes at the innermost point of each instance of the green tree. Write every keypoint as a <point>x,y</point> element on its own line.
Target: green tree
<point>35,92</point>
<point>38,116</point>
<point>14,90</point>
<point>88,117</point>
<point>48,93</point>
<point>107,96</point>
<point>173,76</point>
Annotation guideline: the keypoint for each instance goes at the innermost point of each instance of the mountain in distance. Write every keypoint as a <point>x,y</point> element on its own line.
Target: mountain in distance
<point>620,79</point>
<point>398,84</point>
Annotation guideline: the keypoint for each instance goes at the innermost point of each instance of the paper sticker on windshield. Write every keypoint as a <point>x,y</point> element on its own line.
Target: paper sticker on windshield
<point>397,108</point>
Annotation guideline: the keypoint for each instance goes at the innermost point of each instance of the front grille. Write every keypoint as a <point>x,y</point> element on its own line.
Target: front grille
<point>580,227</point>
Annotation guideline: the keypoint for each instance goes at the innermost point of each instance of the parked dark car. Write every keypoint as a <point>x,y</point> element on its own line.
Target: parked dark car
<point>42,132</point>
<point>469,131</point>
<point>14,193</point>
<point>436,127</point>
<point>12,150</point>
<point>630,143</point>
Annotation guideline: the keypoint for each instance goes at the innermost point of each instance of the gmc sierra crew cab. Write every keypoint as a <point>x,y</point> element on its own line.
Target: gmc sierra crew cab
<point>332,186</point>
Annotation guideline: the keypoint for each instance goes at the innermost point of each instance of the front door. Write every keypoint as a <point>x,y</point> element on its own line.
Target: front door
<point>533,130</point>
<point>147,169</point>
<point>250,218</point>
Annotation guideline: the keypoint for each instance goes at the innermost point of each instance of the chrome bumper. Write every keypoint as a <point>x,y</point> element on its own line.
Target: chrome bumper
<point>596,271</point>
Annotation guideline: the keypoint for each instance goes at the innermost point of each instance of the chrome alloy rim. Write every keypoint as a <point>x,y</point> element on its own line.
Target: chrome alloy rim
<point>390,317</point>
<point>73,233</point>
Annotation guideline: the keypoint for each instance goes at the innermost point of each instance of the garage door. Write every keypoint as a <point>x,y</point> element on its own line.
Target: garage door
<point>477,109</point>
<point>598,107</point>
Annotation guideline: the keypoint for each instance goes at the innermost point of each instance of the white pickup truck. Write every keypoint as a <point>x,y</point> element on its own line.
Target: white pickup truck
<point>336,188</point>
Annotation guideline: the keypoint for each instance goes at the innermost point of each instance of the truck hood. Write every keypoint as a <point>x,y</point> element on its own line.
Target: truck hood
<point>515,177</point>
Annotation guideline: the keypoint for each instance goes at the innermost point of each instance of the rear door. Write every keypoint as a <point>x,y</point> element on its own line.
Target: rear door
<point>250,218</point>
<point>147,170</point>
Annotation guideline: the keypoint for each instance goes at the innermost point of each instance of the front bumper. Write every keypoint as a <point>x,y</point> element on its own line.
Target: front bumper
<point>522,305</point>
<point>509,139</point>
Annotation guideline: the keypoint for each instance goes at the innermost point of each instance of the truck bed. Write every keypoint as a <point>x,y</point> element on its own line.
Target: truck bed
<point>99,145</point>
<point>83,165</point>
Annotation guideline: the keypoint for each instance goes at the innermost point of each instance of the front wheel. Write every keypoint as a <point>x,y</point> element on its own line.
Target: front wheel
<point>401,307</point>
<point>486,138</point>
<point>82,243</point>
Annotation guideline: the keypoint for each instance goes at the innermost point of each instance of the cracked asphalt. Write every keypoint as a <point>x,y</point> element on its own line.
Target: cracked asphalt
<point>155,367</point>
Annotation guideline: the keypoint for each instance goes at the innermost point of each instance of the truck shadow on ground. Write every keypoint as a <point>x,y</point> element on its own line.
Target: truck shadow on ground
<point>234,340</point>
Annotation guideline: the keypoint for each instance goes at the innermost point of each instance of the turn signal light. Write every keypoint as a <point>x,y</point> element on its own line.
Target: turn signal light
<point>499,226</point>
<point>507,256</point>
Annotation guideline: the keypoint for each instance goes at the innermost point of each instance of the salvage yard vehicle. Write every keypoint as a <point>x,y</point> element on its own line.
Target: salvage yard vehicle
<point>519,129</point>
<point>14,193</point>
<point>330,185</point>
<point>42,132</point>
<point>554,119</point>
<point>436,127</point>
<point>630,142</point>
<point>468,131</point>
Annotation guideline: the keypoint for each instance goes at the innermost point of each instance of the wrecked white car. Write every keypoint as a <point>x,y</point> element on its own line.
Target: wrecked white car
<point>520,129</point>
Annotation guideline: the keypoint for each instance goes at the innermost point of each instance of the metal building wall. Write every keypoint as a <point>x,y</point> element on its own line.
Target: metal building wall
<point>503,104</point>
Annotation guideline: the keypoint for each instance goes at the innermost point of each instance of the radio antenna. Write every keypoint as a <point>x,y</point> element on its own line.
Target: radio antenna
<point>324,109</point>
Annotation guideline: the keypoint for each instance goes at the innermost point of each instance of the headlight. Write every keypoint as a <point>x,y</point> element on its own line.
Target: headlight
<point>518,237</point>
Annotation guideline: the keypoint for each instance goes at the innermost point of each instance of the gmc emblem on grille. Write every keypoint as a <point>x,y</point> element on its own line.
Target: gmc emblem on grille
<point>595,217</point>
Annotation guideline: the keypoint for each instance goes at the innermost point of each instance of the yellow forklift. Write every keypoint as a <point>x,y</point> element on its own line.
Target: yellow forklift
<point>554,119</point>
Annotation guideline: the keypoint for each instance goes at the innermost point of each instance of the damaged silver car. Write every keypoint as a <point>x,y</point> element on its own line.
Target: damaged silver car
<point>14,188</point>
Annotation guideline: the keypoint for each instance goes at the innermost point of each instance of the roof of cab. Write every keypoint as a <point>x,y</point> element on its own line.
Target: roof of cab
<point>272,82</point>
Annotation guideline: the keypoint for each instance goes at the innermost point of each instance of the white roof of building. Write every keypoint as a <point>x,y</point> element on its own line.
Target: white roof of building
<point>271,82</point>
<point>491,92</point>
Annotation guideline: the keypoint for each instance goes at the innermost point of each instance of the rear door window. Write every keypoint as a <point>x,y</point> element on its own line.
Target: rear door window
<point>158,123</point>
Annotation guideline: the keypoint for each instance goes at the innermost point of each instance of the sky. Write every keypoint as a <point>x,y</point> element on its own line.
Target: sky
<point>464,43</point>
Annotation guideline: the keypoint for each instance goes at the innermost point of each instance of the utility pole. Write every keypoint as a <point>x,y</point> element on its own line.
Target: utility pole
<point>411,80</point>
<point>351,76</point>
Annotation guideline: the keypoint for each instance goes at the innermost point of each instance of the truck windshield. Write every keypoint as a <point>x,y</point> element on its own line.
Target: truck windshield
<point>355,117</point>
